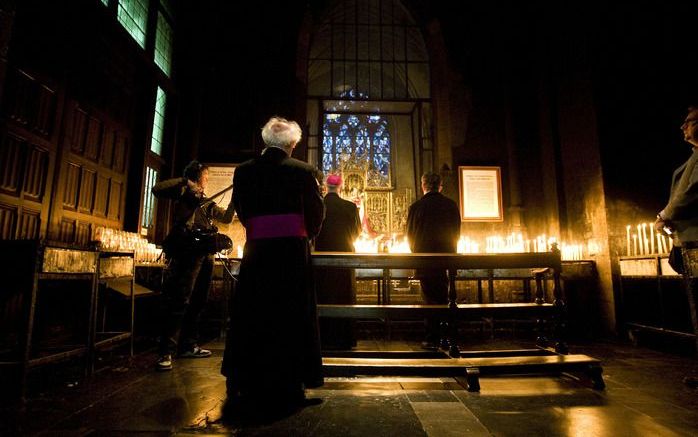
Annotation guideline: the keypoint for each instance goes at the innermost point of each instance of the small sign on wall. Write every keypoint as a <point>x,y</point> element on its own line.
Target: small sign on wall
<point>480,194</point>
<point>220,177</point>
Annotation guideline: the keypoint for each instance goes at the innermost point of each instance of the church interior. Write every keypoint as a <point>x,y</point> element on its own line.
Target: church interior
<point>555,127</point>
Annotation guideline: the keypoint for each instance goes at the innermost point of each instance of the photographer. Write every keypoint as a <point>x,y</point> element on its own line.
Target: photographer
<point>187,277</point>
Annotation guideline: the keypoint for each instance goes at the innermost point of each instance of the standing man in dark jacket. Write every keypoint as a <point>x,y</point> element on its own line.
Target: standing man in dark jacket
<point>680,218</point>
<point>187,278</point>
<point>272,350</point>
<point>337,286</point>
<point>433,225</point>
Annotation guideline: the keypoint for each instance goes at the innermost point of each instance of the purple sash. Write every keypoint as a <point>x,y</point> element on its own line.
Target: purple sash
<point>275,226</point>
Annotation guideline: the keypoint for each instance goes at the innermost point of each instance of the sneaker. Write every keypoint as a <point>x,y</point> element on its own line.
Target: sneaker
<point>196,352</point>
<point>164,362</point>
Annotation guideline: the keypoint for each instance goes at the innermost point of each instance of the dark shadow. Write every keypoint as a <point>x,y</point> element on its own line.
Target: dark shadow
<point>240,412</point>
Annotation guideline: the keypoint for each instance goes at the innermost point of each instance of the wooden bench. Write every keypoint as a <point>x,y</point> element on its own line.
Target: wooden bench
<point>481,362</point>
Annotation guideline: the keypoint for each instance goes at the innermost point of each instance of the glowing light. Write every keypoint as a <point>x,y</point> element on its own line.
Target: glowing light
<point>466,245</point>
<point>398,246</point>
<point>364,244</point>
<point>512,243</point>
<point>645,241</point>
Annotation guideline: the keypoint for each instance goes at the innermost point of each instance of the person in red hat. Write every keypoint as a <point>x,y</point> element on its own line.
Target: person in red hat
<point>337,286</point>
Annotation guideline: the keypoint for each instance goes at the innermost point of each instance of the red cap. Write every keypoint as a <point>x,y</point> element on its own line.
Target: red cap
<point>334,179</point>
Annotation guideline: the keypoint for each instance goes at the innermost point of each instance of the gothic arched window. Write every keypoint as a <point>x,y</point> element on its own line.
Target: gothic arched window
<point>358,140</point>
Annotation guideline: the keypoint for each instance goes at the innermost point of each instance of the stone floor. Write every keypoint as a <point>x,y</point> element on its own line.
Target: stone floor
<point>644,397</point>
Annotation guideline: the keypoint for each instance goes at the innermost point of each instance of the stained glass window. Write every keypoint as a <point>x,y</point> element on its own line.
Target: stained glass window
<point>357,139</point>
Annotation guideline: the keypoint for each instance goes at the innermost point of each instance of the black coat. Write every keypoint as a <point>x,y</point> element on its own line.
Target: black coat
<point>188,207</point>
<point>337,286</point>
<point>433,224</point>
<point>273,341</point>
<point>341,226</point>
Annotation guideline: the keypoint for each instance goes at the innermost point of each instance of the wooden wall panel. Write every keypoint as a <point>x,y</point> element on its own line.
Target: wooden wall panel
<point>31,108</point>
<point>46,111</point>
<point>120,153</point>
<point>18,97</point>
<point>67,230</point>
<point>71,186</point>
<point>107,155</point>
<point>8,219</point>
<point>114,211</point>
<point>93,180</point>
<point>78,131</point>
<point>101,196</point>
<point>29,224</point>
<point>94,139</point>
<point>11,149</point>
<point>87,191</point>
<point>36,173</point>
<point>30,103</point>
<point>83,233</point>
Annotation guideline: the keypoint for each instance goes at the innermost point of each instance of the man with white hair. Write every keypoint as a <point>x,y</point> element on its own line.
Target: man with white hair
<point>272,349</point>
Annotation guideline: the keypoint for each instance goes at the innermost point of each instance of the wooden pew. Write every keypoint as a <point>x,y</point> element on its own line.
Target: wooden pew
<point>469,364</point>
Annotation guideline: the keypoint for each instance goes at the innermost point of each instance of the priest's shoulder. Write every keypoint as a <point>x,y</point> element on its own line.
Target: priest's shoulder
<point>244,169</point>
<point>246,164</point>
<point>297,163</point>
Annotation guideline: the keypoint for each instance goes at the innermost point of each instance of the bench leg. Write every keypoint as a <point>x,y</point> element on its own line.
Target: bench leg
<point>541,339</point>
<point>472,376</point>
<point>453,350</point>
<point>595,372</point>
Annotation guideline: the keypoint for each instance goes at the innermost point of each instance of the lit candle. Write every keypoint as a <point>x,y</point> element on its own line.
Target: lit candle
<point>639,239</point>
<point>651,238</point>
<point>663,241</point>
<point>627,238</point>
<point>634,244</point>
<point>645,245</point>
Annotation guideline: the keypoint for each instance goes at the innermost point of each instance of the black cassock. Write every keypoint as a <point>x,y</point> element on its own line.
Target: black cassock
<point>337,286</point>
<point>273,340</point>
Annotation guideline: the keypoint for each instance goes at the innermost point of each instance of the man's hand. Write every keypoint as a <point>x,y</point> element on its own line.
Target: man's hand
<point>663,226</point>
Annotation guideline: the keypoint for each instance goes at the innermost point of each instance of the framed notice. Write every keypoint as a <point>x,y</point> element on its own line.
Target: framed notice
<point>480,194</point>
<point>220,177</point>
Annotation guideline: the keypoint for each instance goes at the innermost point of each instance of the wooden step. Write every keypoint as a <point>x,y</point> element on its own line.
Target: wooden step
<point>485,363</point>
<point>463,311</point>
<point>469,368</point>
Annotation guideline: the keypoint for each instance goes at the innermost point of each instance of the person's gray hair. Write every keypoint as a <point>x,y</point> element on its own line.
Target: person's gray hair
<point>279,132</point>
<point>431,181</point>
